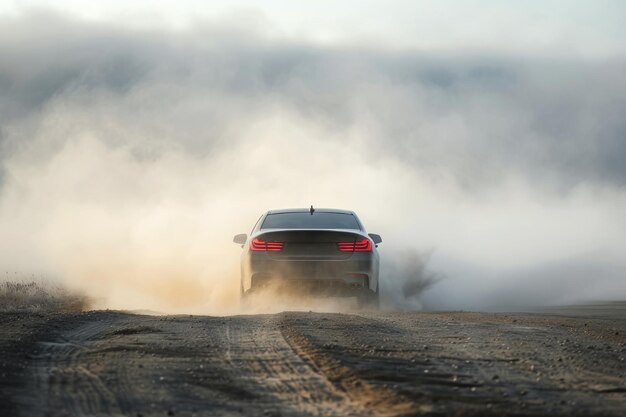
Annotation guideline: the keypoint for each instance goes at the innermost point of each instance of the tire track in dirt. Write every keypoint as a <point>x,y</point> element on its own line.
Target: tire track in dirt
<point>119,364</point>
<point>282,373</point>
<point>449,366</point>
<point>64,379</point>
<point>364,396</point>
<point>293,364</point>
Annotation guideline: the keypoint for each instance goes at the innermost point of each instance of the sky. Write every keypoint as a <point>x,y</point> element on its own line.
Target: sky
<point>562,27</point>
<point>485,141</point>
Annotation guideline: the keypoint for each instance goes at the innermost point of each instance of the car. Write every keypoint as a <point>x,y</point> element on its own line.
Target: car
<point>321,251</point>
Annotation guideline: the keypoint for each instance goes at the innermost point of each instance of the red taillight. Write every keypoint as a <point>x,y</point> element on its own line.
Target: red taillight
<point>261,245</point>
<point>364,245</point>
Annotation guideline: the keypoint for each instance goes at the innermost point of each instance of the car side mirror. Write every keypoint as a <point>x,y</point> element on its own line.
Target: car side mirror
<point>240,239</point>
<point>375,238</point>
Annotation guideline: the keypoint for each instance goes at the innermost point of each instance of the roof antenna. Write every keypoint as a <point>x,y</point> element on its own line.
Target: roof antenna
<point>311,210</point>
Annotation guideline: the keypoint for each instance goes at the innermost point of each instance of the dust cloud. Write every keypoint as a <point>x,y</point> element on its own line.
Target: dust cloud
<point>405,276</point>
<point>129,159</point>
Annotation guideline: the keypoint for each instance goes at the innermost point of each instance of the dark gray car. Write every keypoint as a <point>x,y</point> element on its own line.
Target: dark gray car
<point>323,251</point>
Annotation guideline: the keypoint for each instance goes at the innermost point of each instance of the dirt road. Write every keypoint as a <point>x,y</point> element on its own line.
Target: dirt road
<point>111,363</point>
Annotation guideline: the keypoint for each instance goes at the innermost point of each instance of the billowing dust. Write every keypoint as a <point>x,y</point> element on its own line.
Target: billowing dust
<point>155,234</point>
<point>273,300</point>
<point>129,159</point>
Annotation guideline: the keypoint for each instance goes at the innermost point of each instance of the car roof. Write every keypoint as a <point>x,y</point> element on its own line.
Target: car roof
<point>306,210</point>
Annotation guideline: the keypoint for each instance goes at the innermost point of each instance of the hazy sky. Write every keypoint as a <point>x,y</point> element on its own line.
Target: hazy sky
<point>562,27</point>
<point>135,141</point>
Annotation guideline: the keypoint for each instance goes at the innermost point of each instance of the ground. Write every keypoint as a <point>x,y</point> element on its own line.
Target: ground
<point>300,363</point>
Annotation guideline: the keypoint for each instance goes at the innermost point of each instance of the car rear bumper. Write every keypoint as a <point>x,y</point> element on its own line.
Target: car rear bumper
<point>339,277</point>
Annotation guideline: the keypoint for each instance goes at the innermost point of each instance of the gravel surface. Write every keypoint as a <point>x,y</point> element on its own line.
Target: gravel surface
<point>450,364</point>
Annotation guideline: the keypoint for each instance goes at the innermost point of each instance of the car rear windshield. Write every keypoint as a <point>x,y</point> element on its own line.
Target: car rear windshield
<point>305,220</point>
